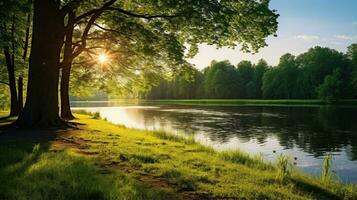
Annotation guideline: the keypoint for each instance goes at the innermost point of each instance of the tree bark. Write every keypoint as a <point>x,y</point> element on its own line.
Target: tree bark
<point>27,34</point>
<point>20,89</point>
<point>14,108</point>
<point>66,112</point>
<point>41,107</point>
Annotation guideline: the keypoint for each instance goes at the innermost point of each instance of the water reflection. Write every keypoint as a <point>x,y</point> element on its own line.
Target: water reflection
<point>303,132</point>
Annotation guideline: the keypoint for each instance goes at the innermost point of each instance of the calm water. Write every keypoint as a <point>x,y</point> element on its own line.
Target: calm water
<point>307,133</point>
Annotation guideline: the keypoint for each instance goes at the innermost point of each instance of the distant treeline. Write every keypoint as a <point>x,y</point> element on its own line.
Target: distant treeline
<point>319,73</point>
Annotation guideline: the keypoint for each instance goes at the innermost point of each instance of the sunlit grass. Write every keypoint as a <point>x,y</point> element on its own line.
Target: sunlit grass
<point>176,138</point>
<point>284,167</point>
<point>327,174</point>
<point>237,156</point>
<point>191,166</point>
<point>4,113</point>
<point>180,162</point>
<point>40,174</point>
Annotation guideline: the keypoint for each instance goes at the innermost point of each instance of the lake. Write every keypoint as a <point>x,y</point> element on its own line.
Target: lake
<point>307,133</point>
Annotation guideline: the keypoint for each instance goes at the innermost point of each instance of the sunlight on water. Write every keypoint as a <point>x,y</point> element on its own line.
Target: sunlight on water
<point>305,134</point>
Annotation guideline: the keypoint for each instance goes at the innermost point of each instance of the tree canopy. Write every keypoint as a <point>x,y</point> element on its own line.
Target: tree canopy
<point>144,39</point>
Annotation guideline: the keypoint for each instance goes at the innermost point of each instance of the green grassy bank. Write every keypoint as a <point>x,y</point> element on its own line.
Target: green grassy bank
<point>4,113</point>
<point>99,160</point>
<point>252,102</point>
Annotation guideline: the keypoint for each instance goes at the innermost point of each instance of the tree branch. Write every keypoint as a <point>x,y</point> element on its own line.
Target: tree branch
<point>70,6</point>
<point>145,16</point>
<point>3,82</point>
<point>107,29</point>
<point>94,16</point>
<point>98,10</point>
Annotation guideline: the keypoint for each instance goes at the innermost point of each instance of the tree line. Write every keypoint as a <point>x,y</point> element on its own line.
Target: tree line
<point>319,73</point>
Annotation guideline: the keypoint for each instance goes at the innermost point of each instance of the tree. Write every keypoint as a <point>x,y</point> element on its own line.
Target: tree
<point>12,32</point>
<point>259,71</point>
<point>282,80</point>
<point>317,63</point>
<point>272,87</point>
<point>181,22</point>
<point>187,85</point>
<point>290,79</point>
<point>221,80</point>
<point>245,73</point>
<point>330,89</point>
<point>352,55</point>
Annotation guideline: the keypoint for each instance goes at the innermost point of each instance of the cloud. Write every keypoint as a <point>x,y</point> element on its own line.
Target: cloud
<point>343,37</point>
<point>307,38</point>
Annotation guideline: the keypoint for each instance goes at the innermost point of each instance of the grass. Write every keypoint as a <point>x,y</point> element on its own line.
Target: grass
<point>327,174</point>
<point>252,102</point>
<point>284,167</point>
<point>105,161</point>
<point>3,113</point>
<point>172,137</point>
<point>33,172</point>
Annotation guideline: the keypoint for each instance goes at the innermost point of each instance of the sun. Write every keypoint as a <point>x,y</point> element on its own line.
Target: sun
<point>102,58</point>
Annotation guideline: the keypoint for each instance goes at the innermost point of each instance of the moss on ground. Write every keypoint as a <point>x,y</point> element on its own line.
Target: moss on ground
<point>105,161</point>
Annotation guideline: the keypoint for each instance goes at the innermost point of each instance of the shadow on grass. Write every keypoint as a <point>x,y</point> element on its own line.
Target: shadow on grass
<point>315,191</point>
<point>30,169</point>
<point>4,118</point>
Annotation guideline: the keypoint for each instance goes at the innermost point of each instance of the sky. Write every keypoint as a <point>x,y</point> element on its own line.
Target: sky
<point>302,24</point>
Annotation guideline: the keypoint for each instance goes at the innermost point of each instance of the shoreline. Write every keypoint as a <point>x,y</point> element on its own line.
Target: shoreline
<point>180,166</point>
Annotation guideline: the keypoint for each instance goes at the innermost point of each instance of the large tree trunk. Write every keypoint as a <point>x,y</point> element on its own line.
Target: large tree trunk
<point>14,107</point>
<point>41,107</point>
<point>66,112</point>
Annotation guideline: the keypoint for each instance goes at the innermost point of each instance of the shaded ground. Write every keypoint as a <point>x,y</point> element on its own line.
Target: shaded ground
<point>21,145</point>
<point>99,160</point>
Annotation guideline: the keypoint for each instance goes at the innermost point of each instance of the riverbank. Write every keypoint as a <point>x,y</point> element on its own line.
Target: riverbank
<point>251,102</point>
<point>99,160</point>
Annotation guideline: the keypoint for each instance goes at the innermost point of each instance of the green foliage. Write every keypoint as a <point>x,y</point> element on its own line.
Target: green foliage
<point>282,82</point>
<point>96,115</point>
<point>319,73</point>
<point>220,80</point>
<point>245,72</point>
<point>284,167</point>
<point>4,97</point>
<point>183,86</point>
<point>327,174</point>
<point>13,20</point>
<point>255,90</point>
<point>148,48</point>
<point>330,90</point>
<point>352,55</point>
<point>318,63</point>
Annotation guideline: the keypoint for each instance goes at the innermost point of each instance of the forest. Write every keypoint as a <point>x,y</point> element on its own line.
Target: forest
<point>319,73</point>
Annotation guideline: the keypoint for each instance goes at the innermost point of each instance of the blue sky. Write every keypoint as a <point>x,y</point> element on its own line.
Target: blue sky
<point>302,24</point>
